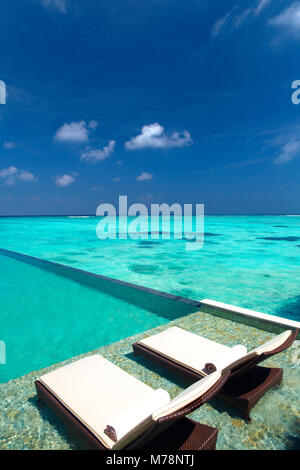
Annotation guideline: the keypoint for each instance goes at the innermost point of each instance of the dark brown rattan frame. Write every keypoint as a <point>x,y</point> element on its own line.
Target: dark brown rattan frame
<point>173,431</point>
<point>247,383</point>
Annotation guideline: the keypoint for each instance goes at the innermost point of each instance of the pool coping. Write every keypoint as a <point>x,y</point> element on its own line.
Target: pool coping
<point>263,321</point>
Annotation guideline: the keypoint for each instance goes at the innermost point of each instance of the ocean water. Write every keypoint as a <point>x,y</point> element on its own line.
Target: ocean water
<point>250,261</point>
<point>253,262</point>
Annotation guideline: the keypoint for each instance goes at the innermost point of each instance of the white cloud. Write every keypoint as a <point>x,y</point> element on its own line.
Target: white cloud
<point>116,179</point>
<point>94,156</point>
<point>261,6</point>
<point>289,18</point>
<point>220,24</point>
<point>60,5</point>
<point>9,145</point>
<point>145,176</point>
<point>98,188</point>
<point>235,18</point>
<point>26,176</point>
<point>12,174</point>
<point>12,170</point>
<point>153,135</point>
<point>289,151</point>
<point>76,132</point>
<point>240,18</point>
<point>93,124</point>
<point>64,180</point>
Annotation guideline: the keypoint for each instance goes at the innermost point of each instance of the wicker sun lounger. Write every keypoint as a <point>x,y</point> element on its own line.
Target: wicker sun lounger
<point>192,356</point>
<point>89,393</point>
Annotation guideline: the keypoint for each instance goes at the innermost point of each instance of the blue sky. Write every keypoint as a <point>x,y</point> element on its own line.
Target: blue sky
<point>160,100</point>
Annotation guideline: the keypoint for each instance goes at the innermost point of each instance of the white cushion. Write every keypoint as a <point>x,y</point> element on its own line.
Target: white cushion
<point>274,343</point>
<point>95,390</point>
<point>137,415</point>
<point>191,350</point>
<point>237,353</point>
<point>189,395</point>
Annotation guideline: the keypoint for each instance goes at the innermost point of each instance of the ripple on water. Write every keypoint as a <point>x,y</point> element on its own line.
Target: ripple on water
<point>285,239</point>
<point>290,309</point>
<point>144,269</point>
<point>206,234</point>
<point>183,292</point>
<point>149,243</point>
<point>62,259</point>
<point>175,268</point>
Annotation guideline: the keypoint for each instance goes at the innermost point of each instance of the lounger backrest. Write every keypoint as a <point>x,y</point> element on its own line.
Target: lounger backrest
<point>267,348</point>
<point>274,343</point>
<point>192,394</point>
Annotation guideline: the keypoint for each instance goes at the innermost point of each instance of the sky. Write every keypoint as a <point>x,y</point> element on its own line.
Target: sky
<point>161,100</point>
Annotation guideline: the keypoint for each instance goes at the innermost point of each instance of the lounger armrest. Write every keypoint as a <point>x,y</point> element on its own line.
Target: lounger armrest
<point>187,409</point>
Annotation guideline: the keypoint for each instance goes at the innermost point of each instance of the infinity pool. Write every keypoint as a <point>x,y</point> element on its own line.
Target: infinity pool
<point>46,318</point>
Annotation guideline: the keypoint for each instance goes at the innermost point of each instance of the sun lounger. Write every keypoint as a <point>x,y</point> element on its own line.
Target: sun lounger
<point>109,409</point>
<point>193,356</point>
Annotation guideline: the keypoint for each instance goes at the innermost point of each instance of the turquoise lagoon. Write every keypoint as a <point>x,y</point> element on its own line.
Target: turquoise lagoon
<point>249,261</point>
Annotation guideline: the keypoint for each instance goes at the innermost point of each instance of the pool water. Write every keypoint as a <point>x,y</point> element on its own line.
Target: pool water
<point>249,261</point>
<point>47,318</point>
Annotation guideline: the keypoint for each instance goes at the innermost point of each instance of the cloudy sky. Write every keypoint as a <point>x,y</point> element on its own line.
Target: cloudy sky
<point>160,100</point>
